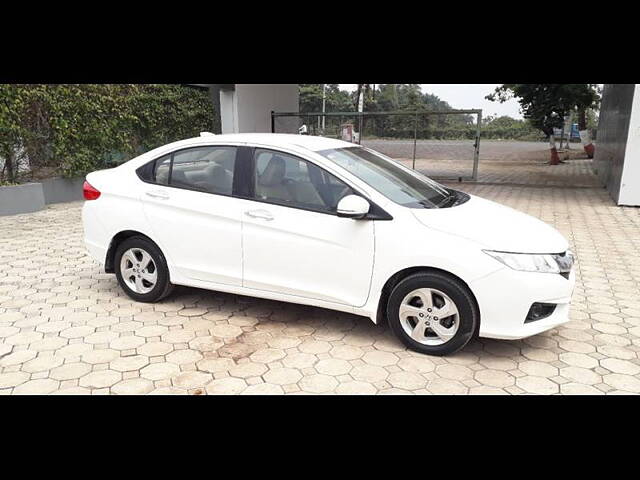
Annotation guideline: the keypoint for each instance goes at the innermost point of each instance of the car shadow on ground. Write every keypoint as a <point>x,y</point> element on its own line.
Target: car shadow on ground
<point>297,321</point>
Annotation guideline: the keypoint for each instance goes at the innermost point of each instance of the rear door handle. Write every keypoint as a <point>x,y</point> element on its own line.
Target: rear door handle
<point>158,195</point>
<point>261,214</point>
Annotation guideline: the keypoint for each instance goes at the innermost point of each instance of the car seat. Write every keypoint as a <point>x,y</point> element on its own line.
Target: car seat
<point>272,184</point>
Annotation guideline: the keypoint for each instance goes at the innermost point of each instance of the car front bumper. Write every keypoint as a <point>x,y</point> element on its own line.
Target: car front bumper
<point>505,297</point>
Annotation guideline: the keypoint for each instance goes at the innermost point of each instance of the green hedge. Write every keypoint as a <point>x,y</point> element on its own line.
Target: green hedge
<point>73,129</point>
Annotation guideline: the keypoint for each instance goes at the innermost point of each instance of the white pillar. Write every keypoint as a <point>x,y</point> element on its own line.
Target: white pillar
<point>630,181</point>
<point>229,111</point>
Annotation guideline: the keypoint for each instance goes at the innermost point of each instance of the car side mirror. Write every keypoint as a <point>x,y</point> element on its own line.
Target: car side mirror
<point>353,206</point>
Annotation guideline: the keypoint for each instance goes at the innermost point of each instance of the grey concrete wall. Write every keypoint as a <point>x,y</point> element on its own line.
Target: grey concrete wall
<point>58,190</point>
<point>32,197</point>
<point>25,198</point>
<point>613,131</point>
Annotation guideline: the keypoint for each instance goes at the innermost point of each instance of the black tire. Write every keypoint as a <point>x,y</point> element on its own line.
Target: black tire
<point>468,312</point>
<point>163,286</point>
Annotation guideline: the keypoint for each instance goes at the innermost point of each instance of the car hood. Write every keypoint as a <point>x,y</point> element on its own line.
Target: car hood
<point>494,226</point>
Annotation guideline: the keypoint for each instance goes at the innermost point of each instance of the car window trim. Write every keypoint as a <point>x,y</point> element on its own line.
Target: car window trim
<point>375,213</point>
<point>171,154</point>
<point>244,170</point>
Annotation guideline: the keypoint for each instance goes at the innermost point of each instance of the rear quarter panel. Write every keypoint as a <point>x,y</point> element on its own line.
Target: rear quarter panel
<point>118,209</point>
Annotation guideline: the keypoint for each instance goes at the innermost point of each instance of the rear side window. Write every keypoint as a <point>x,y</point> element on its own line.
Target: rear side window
<point>209,169</point>
<point>205,169</point>
<point>161,170</point>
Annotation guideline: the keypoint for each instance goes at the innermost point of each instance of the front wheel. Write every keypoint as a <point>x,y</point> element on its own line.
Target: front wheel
<point>142,270</point>
<point>432,313</point>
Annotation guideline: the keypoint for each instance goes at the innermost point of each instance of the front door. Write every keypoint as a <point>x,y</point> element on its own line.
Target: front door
<point>293,241</point>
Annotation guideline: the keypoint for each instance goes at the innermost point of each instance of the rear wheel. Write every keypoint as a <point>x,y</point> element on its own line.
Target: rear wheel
<point>142,270</point>
<point>432,313</point>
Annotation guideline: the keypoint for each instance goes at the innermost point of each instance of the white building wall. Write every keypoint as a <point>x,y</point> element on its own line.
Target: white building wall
<point>630,184</point>
<point>247,109</point>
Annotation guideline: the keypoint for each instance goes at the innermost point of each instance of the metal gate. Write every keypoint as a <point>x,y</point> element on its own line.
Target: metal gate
<point>441,144</point>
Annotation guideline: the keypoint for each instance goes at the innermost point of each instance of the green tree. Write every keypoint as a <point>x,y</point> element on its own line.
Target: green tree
<point>12,131</point>
<point>391,98</point>
<point>545,104</point>
<point>336,100</point>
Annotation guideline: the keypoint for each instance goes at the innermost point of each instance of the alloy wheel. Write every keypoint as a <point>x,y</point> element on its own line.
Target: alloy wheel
<point>138,270</point>
<point>429,316</point>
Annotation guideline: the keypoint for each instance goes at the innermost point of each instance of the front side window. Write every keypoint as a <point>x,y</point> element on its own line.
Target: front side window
<point>392,180</point>
<point>288,180</point>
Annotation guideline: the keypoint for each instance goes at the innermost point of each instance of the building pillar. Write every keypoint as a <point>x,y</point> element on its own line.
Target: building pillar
<point>618,149</point>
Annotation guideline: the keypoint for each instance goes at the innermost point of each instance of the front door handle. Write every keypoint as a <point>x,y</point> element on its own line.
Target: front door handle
<point>261,214</point>
<point>158,195</point>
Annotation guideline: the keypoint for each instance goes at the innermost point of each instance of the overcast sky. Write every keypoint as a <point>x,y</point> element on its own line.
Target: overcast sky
<point>466,96</point>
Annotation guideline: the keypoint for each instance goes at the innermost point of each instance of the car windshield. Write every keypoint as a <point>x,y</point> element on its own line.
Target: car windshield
<point>396,182</point>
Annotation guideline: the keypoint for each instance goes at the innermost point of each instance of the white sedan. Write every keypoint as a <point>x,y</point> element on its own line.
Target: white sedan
<point>327,223</point>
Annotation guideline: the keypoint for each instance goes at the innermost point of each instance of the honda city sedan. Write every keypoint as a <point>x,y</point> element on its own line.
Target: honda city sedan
<point>322,222</point>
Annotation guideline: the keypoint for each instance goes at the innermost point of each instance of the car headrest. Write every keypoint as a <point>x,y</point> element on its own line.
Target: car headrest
<point>217,175</point>
<point>274,173</point>
<point>178,176</point>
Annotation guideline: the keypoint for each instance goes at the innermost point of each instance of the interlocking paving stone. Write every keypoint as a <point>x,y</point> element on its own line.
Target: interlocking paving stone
<point>226,386</point>
<point>12,379</point>
<point>36,387</point>
<point>100,379</point>
<point>160,371</point>
<point>539,385</point>
<point>282,376</point>
<point>263,389</point>
<point>318,383</point>
<point>333,367</point>
<point>129,363</point>
<point>70,371</point>
<point>17,358</point>
<point>192,379</point>
<point>66,327</point>
<point>133,386</point>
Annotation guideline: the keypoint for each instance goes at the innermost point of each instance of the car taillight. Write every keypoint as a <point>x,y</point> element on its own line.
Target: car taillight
<point>90,193</point>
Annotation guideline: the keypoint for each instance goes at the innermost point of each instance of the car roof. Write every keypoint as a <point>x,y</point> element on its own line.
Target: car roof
<point>309,142</point>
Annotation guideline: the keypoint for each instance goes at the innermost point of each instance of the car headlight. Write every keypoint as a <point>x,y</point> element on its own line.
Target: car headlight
<point>542,263</point>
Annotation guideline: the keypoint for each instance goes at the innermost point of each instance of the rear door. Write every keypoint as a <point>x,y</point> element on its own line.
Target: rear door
<point>293,241</point>
<point>189,204</point>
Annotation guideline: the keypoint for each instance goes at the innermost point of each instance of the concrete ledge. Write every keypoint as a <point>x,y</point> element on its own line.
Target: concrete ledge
<point>59,190</point>
<point>25,198</point>
<point>31,197</point>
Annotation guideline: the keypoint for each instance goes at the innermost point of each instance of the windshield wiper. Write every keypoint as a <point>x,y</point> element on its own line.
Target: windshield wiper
<point>426,204</point>
<point>447,200</point>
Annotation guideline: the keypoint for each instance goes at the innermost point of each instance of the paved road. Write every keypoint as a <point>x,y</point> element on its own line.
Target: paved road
<point>66,327</point>
<point>459,149</point>
<point>500,161</point>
